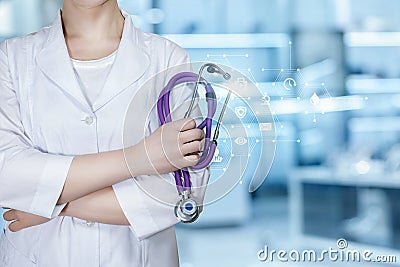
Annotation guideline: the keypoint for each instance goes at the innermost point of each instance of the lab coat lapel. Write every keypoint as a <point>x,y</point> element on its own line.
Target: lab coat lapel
<point>56,64</point>
<point>131,63</point>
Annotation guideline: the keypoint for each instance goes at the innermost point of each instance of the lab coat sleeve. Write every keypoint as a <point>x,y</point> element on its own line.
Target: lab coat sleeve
<point>146,214</point>
<point>30,180</point>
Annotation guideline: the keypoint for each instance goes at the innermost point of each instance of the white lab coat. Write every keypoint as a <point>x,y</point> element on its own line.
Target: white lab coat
<point>45,121</point>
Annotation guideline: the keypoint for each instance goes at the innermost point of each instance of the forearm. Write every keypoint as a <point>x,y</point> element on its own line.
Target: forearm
<point>101,206</point>
<point>90,173</point>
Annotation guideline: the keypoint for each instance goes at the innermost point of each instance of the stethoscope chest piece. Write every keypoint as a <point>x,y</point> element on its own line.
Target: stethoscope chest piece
<point>187,210</point>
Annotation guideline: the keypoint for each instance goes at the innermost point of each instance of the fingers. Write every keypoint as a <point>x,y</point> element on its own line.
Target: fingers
<point>185,124</point>
<point>192,160</point>
<point>192,147</point>
<point>15,226</point>
<point>10,215</point>
<point>191,135</point>
<point>180,143</point>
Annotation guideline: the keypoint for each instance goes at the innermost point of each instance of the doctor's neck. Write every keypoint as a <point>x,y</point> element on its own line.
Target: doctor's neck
<point>92,28</point>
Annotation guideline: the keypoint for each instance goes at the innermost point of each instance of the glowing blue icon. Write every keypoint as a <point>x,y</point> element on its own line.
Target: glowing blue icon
<point>240,112</point>
<point>241,141</point>
<point>314,99</point>
<point>217,158</point>
<point>265,100</point>
<point>289,83</point>
<point>265,126</point>
<point>241,83</point>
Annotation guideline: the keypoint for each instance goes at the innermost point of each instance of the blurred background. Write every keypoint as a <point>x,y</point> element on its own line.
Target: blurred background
<point>330,75</point>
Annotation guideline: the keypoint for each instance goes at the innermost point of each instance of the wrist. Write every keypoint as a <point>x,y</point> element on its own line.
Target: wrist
<point>135,159</point>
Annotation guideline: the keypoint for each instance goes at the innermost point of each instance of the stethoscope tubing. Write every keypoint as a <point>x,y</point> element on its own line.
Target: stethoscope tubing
<point>164,114</point>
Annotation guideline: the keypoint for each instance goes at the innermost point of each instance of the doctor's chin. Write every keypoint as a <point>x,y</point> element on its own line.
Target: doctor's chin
<point>199,133</point>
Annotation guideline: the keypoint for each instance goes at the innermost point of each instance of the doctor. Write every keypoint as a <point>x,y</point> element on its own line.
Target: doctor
<point>70,196</point>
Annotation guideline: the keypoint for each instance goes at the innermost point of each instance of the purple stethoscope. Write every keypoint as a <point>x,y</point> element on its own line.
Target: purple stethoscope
<point>187,210</point>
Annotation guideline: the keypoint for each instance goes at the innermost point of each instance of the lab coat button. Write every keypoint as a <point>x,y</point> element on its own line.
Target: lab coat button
<point>89,223</point>
<point>88,120</point>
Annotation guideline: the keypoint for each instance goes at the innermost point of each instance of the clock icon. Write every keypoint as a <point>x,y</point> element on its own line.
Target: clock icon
<point>289,83</point>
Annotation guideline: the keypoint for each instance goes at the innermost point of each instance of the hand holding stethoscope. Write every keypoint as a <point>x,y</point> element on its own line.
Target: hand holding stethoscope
<point>187,209</point>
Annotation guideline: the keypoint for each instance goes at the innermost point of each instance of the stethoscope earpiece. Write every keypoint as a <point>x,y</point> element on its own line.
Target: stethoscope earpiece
<point>212,68</point>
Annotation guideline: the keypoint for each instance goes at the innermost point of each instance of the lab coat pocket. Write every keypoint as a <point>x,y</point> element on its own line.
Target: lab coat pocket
<point>22,244</point>
<point>10,256</point>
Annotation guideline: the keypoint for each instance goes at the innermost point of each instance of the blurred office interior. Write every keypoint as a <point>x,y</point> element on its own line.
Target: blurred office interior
<point>336,172</point>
